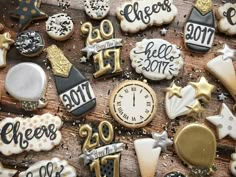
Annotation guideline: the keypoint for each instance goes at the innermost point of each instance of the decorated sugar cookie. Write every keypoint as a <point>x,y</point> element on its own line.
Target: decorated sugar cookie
<point>199,29</point>
<point>60,26</point>
<point>28,11</point>
<point>39,133</point>
<point>104,49</point>
<point>73,88</point>
<point>133,104</point>
<point>50,168</point>
<point>156,59</point>
<point>233,164</point>
<point>227,18</point>
<point>148,151</point>
<point>174,174</point>
<point>97,9</point>
<point>186,101</point>
<point>5,42</point>
<point>225,123</point>
<point>103,154</point>
<point>136,15</point>
<point>4,172</point>
<point>27,82</point>
<point>29,43</point>
<point>195,144</point>
<point>223,69</point>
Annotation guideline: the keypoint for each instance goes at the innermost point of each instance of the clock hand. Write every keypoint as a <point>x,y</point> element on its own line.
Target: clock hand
<point>133,99</point>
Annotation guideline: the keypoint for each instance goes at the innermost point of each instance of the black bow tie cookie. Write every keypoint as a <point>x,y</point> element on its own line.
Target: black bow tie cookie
<point>27,11</point>
<point>199,30</point>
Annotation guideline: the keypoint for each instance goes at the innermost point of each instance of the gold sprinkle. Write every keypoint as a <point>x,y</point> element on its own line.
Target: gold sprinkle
<point>33,11</point>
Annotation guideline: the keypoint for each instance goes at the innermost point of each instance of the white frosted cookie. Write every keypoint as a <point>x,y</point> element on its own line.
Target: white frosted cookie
<point>4,172</point>
<point>137,15</point>
<point>227,18</point>
<point>96,9</point>
<point>60,26</point>
<point>54,167</point>
<point>39,133</point>
<point>156,59</point>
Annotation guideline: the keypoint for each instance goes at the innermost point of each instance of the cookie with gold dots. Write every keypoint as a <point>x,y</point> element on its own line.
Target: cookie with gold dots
<point>27,11</point>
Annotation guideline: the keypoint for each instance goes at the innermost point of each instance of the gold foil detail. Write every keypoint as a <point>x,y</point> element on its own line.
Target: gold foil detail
<point>110,137</point>
<point>195,144</point>
<point>174,91</point>
<point>87,28</point>
<point>5,41</point>
<point>204,6</point>
<point>103,33</point>
<point>203,89</point>
<point>60,64</point>
<point>196,109</point>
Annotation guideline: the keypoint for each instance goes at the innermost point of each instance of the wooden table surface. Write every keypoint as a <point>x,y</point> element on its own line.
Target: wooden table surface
<point>70,147</point>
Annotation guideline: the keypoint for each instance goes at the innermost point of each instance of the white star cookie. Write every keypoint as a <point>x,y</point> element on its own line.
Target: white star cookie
<point>225,123</point>
<point>6,172</point>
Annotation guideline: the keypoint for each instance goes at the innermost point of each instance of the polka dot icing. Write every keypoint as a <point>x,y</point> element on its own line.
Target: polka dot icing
<point>59,26</point>
<point>29,43</point>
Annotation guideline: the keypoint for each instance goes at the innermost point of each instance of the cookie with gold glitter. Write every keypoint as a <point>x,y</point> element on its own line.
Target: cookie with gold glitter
<point>199,29</point>
<point>5,42</point>
<point>186,101</point>
<point>195,144</point>
<point>27,11</point>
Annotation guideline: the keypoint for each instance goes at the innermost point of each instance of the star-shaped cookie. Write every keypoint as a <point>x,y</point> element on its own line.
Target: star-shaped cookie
<point>27,11</point>
<point>225,123</point>
<point>162,140</point>
<point>6,172</point>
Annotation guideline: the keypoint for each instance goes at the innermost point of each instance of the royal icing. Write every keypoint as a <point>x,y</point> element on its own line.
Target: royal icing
<point>39,133</point>
<point>103,154</point>
<point>223,69</point>
<point>104,49</point>
<point>227,18</point>
<point>50,168</point>
<point>186,101</point>
<point>148,151</point>
<point>156,59</point>
<point>225,123</point>
<point>199,30</point>
<point>27,82</point>
<point>29,43</point>
<point>60,26</point>
<point>28,11</point>
<point>73,88</point>
<point>5,42</point>
<point>138,15</point>
<point>97,9</point>
<point>174,174</point>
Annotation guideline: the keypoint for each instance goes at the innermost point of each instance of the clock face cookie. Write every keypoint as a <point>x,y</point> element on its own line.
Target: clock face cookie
<point>60,26</point>
<point>227,18</point>
<point>97,9</point>
<point>29,43</point>
<point>156,59</point>
<point>133,104</point>
<point>199,29</point>
<point>136,15</point>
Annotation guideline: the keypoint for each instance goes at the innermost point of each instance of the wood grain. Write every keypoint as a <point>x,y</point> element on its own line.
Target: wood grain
<point>70,148</point>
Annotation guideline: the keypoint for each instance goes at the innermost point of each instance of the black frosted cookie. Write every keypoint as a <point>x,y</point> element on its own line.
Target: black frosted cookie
<point>174,174</point>
<point>29,43</point>
<point>60,26</point>
<point>27,11</point>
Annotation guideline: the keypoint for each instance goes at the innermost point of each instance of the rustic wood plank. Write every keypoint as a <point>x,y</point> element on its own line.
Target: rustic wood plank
<point>70,148</point>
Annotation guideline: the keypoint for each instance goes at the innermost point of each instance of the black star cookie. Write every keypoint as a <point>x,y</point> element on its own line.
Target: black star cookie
<point>27,11</point>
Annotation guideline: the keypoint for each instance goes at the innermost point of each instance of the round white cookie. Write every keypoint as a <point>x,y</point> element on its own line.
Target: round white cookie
<point>96,9</point>
<point>60,26</point>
